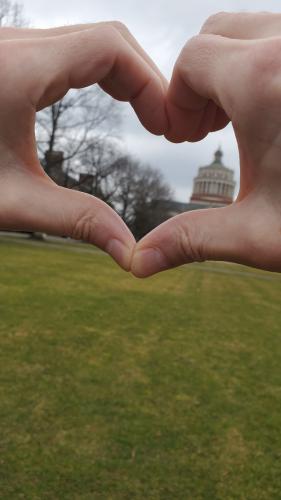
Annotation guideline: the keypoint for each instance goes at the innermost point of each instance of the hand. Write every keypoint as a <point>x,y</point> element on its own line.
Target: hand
<point>38,67</point>
<point>230,72</point>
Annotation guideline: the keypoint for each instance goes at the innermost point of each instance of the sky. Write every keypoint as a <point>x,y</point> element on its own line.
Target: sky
<point>162,27</point>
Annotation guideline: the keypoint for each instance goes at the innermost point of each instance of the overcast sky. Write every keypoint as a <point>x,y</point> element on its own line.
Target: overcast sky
<point>162,27</point>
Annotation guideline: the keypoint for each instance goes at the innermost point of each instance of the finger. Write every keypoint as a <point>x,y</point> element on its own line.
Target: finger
<point>221,120</point>
<point>123,30</point>
<point>243,25</point>
<point>34,203</point>
<point>205,74</point>
<point>10,33</point>
<point>215,234</point>
<point>98,55</point>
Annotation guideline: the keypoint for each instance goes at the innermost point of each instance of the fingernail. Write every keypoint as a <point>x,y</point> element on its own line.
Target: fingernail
<point>148,262</point>
<point>120,253</point>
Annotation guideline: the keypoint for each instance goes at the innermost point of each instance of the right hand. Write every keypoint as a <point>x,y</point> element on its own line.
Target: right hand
<point>231,71</point>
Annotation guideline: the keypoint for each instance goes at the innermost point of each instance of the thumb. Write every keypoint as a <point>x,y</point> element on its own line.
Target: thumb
<point>214,234</point>
<point>34,203</point>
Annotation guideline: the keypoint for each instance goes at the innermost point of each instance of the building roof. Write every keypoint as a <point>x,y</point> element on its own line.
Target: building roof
<point>217,162</point>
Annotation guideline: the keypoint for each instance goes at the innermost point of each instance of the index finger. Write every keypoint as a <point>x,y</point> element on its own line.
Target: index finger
<point>11,33</point>
<point>243,25</point>
<point>200,95</point>
<point>96,55</point>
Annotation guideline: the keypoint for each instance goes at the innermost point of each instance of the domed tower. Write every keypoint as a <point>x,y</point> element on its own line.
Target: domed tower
<point>214,184</point>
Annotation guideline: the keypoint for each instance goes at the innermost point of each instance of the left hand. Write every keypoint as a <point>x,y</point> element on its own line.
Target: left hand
<point>38,67</point>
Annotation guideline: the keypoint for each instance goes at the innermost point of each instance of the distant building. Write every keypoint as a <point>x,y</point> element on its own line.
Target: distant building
<point>214,184</point>
<point>53,164</point>
<point>85,183</point>
<point>213,187</point>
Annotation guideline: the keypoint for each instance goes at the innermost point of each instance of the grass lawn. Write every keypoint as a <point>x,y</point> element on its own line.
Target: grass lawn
<point>113,388</point>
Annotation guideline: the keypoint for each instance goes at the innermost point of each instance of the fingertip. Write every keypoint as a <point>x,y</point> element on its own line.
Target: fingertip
<point>85,218</point>
<point>148,261</point>
<point>121,252</point>
<point>190,125</point>
<point>150,107</point>
<point>174,139</point>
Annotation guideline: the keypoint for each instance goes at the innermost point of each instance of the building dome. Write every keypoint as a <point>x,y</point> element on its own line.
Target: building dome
<point>214,184</point>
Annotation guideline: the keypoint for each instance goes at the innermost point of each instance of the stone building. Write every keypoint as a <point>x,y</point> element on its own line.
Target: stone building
<point>214,184</point>
<point>85,183</point>
<point>53,166</point>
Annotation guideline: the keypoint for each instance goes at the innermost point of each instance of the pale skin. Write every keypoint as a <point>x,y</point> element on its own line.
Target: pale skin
<point>38,68</point>
<point>230,72</point>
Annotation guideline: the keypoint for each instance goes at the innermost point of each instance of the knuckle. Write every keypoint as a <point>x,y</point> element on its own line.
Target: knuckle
<point>85,227</point>
<point>104,31</point>
<point>119,26</point>
<point>216,22</point>
<point>112,30</point>
<point>265,74</point>
<point>233,23</point>
<point>191,45</point>
<point>107,38</point>
<point>198,46</point>
<point>189,242</point>
<point>194,55</point>
<point>185,54</point>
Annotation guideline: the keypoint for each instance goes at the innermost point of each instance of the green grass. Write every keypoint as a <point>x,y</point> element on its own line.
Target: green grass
<point>114,388</point>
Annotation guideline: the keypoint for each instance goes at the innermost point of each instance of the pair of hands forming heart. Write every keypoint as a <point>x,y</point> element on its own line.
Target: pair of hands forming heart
<point>230,72</point>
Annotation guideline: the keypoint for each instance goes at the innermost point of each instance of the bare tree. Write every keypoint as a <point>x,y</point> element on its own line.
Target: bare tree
<point>138,193</point>
<point>82,119</point>
<point>142,198</point>
<point>78,143</point>
<point>98,169</point>
<point>11,14</point>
